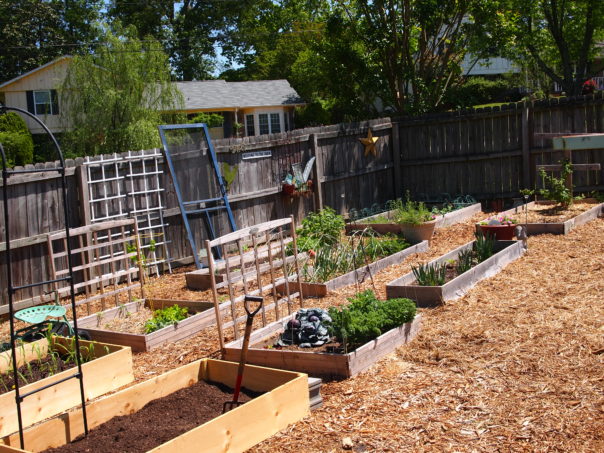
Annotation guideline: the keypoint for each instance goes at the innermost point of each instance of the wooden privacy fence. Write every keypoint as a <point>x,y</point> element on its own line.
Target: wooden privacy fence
<point>494,152</point>
<point>487,153</point>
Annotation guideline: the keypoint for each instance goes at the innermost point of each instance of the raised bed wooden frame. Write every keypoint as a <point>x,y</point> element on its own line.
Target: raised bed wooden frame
<point>323,364</point>
<point>448,219</point>
<point>203,317</point>
<point>107,372</point>
<point>556,228</point>
<point>431,296</point>
<point>357,275</point>
<point>285,402</point>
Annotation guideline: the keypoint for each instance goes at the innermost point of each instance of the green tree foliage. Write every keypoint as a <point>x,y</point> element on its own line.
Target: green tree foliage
<point>185,30</point>
<point>16,139</point>
<point>210,119</point>
<point>34,32</point>
<point>418,45</point>
<point>557,37</point>
<point>113,98</point>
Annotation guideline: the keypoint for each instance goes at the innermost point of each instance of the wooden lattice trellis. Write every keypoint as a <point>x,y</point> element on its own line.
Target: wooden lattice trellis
<point>106,261</point>
<point>129,185</point>
<point>266,255</point>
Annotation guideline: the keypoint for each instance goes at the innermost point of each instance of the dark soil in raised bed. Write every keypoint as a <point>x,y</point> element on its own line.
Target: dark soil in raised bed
<point>159,421</point>
<point>37,370</point>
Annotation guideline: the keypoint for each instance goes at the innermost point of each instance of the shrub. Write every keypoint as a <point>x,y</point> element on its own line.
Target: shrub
<point>366,318</point>
<point>479,90</point>
<point>210,119</point>
<point>16,139</point>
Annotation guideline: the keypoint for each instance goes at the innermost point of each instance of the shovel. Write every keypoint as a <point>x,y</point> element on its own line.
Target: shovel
<point>246,339</point>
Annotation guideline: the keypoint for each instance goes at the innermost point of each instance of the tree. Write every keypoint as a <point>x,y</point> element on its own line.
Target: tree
<point>557,36</point>
<point>113,98</point>
<point>33,32</point>
<point>16,139</point>
<point>185,30</point>
<point>418,45</point>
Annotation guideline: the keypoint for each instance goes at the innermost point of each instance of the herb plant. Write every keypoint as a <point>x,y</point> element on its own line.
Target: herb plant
<point>165,317</point>
<point>366,318</point>
<point>411,212</point>
<point>430,274</point>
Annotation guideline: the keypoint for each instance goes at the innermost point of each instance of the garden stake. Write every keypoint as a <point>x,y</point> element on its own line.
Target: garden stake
<point>244,346</point>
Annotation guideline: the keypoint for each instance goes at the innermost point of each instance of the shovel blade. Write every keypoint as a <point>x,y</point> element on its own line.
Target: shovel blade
<point>230,405</point>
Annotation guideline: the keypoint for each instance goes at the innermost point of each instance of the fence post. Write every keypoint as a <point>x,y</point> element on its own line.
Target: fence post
<point>315,151</point>
<point>526,148</point>
<point>82,180</point>
<point>396,161</point>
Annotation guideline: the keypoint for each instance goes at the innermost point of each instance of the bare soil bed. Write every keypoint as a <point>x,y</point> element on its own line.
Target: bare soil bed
<point>549,213</point>
<point>158,422</point>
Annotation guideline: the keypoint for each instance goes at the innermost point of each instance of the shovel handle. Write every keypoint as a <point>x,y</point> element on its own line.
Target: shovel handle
<point>246,340</point>
<point>248,310</point>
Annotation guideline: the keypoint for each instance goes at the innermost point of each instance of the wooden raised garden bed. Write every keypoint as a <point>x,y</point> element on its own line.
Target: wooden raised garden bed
<point>111,369</point>
<point>324,364</point>
<point>202,317</point>
<point>285,401</point>
<point>442,221</point>
<point>554,227</point>
<point>430,296</point>
<point>358,275</point>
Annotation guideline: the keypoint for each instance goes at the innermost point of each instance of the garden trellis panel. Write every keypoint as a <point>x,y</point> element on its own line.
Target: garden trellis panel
<point>130,185</point>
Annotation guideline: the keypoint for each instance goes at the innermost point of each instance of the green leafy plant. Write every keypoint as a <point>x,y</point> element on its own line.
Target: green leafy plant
<point>483,247</point>
<point>444,209</point>
<point>320,228</point>
<point>558,191</point>
<point>412,212</point>
<point>366,318</point>
<point>465,261</point>
<point>165,317</point>
<point>430,274</point>
<point>229,173</point>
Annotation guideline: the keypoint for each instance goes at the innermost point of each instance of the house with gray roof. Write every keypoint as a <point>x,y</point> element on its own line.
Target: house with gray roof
<point>259,106</point>
<point>250,108</point>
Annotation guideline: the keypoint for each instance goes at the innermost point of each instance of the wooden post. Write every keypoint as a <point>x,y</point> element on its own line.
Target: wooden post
<point>82,178</point>
<point>526,149</point>
<point>396,161</point>
<point>318,171</point>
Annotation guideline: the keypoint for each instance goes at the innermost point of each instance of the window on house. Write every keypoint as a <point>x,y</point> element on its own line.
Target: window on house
<point>249,124</point>
<point>275,123</point>
<point>42,102</point>
<point>263,123</point>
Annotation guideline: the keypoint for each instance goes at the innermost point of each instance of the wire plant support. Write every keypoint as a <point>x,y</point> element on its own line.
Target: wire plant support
<point>6,173</point>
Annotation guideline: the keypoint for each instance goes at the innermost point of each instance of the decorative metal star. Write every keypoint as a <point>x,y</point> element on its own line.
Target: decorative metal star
<point>369,143</point>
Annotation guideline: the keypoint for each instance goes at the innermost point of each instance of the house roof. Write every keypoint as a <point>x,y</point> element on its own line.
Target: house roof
<point>33,71</point>
<point>216,94</point>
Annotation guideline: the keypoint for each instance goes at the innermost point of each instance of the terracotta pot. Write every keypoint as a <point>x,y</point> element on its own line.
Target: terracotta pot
<point>499,232</point>
<point>417,233</point>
